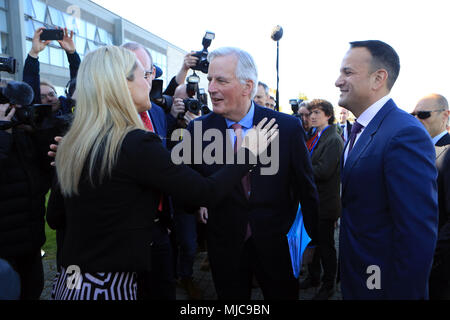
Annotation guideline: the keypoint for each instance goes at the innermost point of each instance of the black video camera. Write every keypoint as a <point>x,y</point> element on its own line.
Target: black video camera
<point>202,63</point>
<point>295,103</point>
<point>33,115</point>
<point>38,116</point>
<point>8,65</point>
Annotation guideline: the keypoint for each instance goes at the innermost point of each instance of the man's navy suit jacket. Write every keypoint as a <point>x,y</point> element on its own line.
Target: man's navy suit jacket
<point>389,209</point>
<point>159,121</point>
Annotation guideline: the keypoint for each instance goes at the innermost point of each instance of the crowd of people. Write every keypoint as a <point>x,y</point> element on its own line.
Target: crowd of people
<point>127,216</point>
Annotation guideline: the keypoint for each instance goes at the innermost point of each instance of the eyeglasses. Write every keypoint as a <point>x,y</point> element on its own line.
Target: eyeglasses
<point>425,114</point>
<point>148,74</point>
<point>305,115</point>
<point>51,94</point>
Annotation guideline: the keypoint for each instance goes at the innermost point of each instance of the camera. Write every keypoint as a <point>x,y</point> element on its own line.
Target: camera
<point>295,104</point>
<point>203,98</point>
<point>33,115</point>
<point>52,34</point>
<point>8,65</point>
<point>192,105</point>
<point>202,63</point>
<point>38,116</point>
<point>157,96</point>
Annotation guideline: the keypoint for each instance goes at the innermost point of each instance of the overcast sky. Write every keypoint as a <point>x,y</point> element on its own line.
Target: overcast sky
<point>316,37</point>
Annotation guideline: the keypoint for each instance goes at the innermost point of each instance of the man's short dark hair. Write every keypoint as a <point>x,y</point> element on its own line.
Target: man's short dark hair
<point>323,105</point>
<point>383,57</point>
<point>265,86</point>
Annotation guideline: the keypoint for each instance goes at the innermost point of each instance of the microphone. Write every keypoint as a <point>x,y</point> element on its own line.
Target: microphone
<point>17,93</point>
<point>277,33</point>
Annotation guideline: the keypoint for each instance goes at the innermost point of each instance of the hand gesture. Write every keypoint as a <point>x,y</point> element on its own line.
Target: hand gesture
<point>189,116</point>
<point>258,138</point>
<point>37,44</point>
<point>177,107</point>
<point>202,215</point>
<point>3,116</point>
<point>67,42</point>
<point>54,148</point>
<point>189,61</point>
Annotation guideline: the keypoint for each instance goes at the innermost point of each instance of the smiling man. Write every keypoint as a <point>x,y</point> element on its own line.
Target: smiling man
<point>246,232</point>
<point>389,196</point>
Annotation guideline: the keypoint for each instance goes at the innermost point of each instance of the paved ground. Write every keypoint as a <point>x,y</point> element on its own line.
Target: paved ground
<point>202,279</point>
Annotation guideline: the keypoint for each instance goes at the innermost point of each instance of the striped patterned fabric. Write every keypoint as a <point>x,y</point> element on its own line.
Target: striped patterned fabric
<point>98,286</point>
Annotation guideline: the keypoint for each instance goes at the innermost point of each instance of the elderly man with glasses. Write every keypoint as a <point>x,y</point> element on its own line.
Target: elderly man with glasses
<point>433,112</point>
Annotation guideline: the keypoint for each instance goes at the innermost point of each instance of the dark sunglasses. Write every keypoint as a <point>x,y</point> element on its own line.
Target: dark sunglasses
<point>424,114</point>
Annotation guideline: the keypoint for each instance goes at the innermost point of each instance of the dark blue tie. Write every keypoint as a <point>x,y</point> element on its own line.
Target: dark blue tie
<point>356,128</point>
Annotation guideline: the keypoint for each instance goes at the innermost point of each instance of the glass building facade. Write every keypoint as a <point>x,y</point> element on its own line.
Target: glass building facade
<point>93,27</point>
<point>3,28</point>
<point>87,36</point>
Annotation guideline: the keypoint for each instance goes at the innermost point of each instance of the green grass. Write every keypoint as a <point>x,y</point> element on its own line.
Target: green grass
<point>50,244</point>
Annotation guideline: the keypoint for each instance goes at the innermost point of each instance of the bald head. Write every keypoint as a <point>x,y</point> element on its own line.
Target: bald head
<point>437,107</point>
<point>180,92</point>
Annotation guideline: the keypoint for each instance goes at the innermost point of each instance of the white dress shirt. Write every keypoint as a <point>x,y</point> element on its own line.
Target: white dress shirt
<point>365,118</point>
<point>438,137</point>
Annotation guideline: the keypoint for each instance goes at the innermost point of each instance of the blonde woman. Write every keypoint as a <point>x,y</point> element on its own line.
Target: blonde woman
<point>111,173</point>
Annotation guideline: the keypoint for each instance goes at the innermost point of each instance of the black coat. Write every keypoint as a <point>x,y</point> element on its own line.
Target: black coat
<point>272,206</point>
<point>326,168</point>
<point>25,178</point>
<point>108,228</point>
<point>443,167</point>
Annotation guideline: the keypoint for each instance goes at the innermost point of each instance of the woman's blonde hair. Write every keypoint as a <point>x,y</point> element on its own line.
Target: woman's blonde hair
<point>104,114</point>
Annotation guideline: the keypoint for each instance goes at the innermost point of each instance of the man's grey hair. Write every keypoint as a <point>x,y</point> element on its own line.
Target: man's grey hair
<point>265,86</point>
<point>246,67</point>
<point>134,46</point>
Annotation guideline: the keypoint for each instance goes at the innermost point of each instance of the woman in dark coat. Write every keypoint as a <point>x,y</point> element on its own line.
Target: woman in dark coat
<point>111,174</point>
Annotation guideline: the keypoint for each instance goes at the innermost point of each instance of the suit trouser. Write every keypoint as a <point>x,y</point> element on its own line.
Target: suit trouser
<point>186,235</point>
<point>159,283</point>
<point>324,254</point>
<point>439,284</point>
<point>237,284</point>
<point>31,272</point>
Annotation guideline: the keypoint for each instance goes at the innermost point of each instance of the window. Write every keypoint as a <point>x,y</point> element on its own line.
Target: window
<point>56,57</point>
<point>44,56</point>
<point>57,17</point>
<point>29,28</point>
<point>38,14</point>
<point>3,24</point>
<point>28,8</point>
<point>90,31</point>
<point>40,9</point>
<point>80,44</point>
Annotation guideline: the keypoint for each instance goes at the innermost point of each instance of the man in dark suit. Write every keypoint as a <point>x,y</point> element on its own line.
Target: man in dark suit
<point>389,195</point>
<point>246,233</point>
<point>344,126</point>
<point>432,111</point>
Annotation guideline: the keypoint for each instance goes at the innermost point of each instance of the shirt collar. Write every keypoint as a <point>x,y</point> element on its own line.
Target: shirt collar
<point>438,137</point>
<point>247,121</point>
<point>370,113</point>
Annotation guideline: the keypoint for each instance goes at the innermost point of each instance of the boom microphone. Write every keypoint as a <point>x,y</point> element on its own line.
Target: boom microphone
<point>17,93</point>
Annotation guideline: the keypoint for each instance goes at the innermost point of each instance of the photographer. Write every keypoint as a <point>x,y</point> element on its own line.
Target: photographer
<point>45,92</point>
<point>25,177</point>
